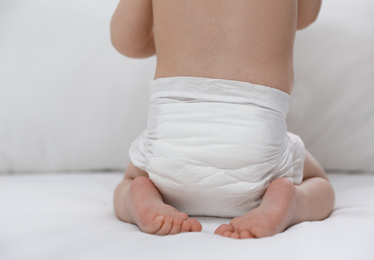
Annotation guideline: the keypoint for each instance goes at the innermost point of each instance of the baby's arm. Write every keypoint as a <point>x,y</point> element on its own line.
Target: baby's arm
<point>131,28</point>
<point>307,12</point>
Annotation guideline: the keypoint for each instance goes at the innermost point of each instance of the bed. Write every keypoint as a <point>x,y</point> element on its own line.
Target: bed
<point>70,107</point>
<point>63,216</point>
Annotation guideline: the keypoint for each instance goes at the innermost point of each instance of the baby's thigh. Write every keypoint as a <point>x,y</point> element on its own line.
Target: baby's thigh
<point>133,172</point>
<point>312,168</point>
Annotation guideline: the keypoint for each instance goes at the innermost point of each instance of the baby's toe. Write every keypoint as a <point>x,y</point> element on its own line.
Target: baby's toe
<point>166,227</point>
<point>177,226</point>
<point>235,235</point>
<point>223,228</point>
<point>195,225</point>
<point>153,226</point>
<point>246,234</point>
<point>227,233</point>
<point>186,226</point>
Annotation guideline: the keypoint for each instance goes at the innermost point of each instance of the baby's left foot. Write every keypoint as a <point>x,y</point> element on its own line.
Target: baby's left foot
<point>276,213</point>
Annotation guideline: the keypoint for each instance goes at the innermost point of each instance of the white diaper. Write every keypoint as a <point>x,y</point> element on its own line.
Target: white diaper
<point>213,146</point>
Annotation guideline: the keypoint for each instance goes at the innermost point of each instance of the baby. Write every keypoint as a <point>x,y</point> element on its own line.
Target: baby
<point>216,142</point>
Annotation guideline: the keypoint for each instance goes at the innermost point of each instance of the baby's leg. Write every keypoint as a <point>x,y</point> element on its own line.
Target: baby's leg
<point>137,201</point>
<point>285,204</point>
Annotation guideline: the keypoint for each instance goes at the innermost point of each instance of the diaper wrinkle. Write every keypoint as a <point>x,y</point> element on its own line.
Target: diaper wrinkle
<point>213,146</point>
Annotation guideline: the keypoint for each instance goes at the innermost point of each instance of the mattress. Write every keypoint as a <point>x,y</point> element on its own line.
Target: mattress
<point>70,216</point>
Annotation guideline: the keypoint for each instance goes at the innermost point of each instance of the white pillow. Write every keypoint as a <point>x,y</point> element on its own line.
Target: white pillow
<point>68,100</point>
<point>332,105</point>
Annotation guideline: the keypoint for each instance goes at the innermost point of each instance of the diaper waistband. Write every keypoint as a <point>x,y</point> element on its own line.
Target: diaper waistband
<point>219,90</point>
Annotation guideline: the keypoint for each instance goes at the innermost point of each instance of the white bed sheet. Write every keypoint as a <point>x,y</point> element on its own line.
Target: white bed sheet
<point>70,216</point>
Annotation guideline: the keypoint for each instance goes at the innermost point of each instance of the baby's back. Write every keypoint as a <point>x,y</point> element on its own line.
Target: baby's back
<point>244,40</point>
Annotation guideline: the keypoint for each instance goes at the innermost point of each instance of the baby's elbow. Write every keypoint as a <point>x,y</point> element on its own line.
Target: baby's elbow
<point>307,12</point>
<point>121,42</point>
<point>125,49</point>
<point>303,22</point>
<point>133,51</point>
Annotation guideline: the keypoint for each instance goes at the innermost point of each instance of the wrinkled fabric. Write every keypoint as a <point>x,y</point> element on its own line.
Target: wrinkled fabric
<point>213,146</point>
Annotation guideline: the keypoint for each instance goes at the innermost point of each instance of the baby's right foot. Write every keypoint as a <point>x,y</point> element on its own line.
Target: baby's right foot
<point>152,215</point>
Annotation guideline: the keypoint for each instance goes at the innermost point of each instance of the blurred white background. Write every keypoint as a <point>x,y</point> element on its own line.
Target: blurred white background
<point>70,102</point>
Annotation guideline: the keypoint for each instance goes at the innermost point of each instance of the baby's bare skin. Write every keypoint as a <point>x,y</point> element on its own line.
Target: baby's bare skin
<point>244,40</point>
<point>249,41</point>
